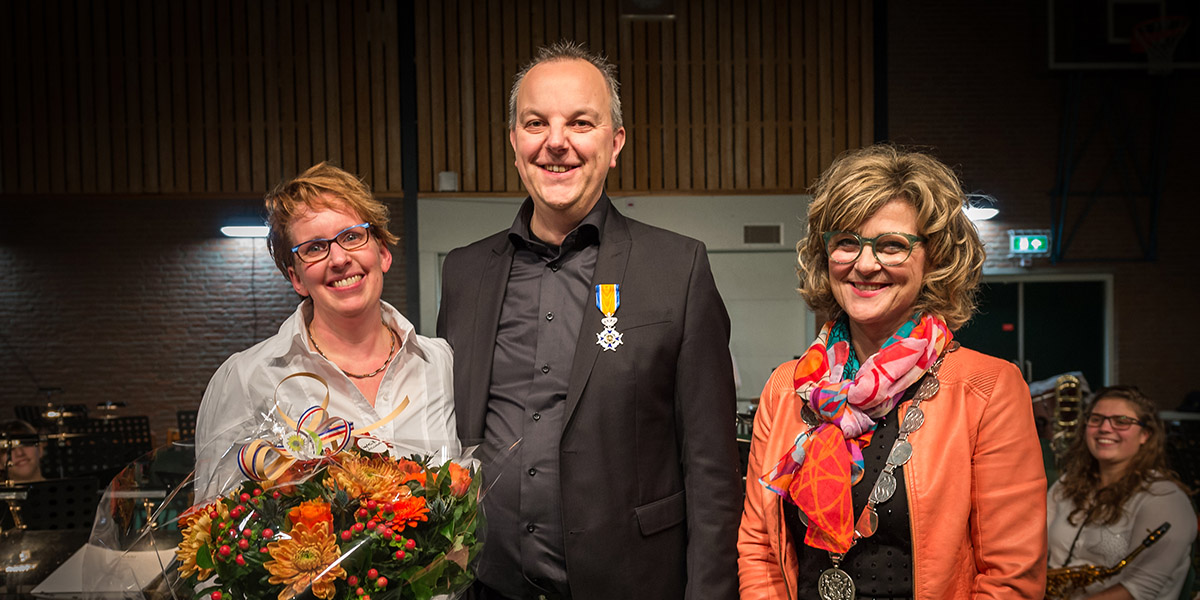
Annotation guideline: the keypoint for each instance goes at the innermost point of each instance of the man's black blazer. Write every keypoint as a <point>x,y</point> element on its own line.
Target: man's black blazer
<point>650,484</point>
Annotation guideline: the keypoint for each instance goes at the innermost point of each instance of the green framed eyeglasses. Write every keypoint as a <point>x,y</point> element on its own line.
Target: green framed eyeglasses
<point>890,249</point>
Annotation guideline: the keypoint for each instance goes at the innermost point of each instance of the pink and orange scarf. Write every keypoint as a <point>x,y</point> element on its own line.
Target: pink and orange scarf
<point>817,472</point>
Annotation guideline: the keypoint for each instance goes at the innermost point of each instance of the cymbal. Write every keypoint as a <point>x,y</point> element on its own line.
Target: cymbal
<point>63,436</point>
<point>11,440</point>
<point>60,414</point>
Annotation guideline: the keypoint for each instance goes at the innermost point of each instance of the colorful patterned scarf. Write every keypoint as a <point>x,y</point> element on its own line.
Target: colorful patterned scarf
<point>817,472</point>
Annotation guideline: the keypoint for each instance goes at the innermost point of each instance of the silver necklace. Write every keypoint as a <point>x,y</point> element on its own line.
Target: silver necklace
<point>834,583</point>
<point>390,356</point>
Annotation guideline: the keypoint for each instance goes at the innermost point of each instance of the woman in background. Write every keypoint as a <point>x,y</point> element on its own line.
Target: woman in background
<point>887,461</point>
<point>1115,488</point>
<point>21,463</point>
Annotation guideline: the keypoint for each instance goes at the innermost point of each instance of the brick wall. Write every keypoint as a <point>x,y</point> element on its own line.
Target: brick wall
<point>134,301</point>
<point>969,81</point>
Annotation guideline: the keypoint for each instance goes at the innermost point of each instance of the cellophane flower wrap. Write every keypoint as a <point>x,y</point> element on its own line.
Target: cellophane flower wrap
<point>356,524</point>
<point>308,506</point>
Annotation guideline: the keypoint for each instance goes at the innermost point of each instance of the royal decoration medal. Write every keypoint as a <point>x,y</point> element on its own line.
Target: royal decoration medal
<point>608,299</point>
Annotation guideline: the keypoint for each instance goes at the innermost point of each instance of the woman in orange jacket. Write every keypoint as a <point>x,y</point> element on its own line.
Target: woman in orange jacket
<point>888,462</point>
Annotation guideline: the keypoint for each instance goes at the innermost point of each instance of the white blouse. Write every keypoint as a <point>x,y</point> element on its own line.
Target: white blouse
<point>239,398</point>
<point>1159,571</point>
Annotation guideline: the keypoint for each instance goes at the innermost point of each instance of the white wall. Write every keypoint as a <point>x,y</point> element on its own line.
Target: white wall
<point>771,324</point>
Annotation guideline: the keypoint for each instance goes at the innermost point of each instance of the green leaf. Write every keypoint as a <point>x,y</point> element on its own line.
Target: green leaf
<point>204,557</point>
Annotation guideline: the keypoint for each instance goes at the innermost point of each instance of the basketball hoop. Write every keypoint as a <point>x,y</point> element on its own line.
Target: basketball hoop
<point>1158,39</point>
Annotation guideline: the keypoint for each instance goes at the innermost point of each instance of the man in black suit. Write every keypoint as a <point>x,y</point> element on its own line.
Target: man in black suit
<point>602,345</point>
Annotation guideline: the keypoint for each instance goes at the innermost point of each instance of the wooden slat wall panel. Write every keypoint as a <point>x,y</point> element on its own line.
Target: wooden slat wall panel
<point>213,96</point>
<point>726,96</point>
<point>231,96</point>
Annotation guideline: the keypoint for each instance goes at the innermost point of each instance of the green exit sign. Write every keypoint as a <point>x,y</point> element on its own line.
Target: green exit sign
<point>1027,243</point>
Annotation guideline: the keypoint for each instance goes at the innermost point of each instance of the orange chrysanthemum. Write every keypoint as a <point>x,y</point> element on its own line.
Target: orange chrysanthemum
<point>371,478</point>
<point>460,479</point>
<point>304,560</point>
<point>311,512</point>
<point>196,527</point>
<point>408,512</point>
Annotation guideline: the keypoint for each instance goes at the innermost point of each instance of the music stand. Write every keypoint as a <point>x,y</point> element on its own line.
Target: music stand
<point>186,420</point>
<point>60,504</point>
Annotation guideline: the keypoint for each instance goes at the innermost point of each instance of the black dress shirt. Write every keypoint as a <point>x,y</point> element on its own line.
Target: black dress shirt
<point>547,298</point>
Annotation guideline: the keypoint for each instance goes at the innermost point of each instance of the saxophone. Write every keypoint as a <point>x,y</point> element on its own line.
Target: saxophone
<point>1068,400</point>
<point>1066,581</point>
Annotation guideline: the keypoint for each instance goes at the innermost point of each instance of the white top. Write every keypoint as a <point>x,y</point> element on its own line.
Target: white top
<point>239,398</point>
<point>1160,570</point>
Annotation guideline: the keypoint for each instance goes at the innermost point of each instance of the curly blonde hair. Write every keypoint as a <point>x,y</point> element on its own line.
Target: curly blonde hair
<point>321,186</point>
<point>856,186</point>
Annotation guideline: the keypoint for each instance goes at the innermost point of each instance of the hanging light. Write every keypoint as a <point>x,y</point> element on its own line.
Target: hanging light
<point>980,207</point>
<point>250,231</point>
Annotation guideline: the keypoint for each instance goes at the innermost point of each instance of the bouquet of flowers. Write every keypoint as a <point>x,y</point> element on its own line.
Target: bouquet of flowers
<point>359,525</point>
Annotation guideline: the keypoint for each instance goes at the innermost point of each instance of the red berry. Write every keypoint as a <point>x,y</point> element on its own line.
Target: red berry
<point>410,543</point>
<point>224,550</point>
<point>361,513</point>
<point>358,527</point>
<point>215,595</point>
<point>372,573</point>
<point>263,550</point>
<point>371,504</point>
<point>381,582</point>
<point>366,597</point>
<point>240,561</point>
<point>212,514</point>
<point>346,535</point>
<point>359,591</point>
<point>243,544</point>
<point>222,525</point>
<point>267,533</point>
<point>399,555</point>
<point>244,497</point>
<point>371,524</point>
<point>275,494</point>
<point>352,580</point>
<point>247,532</point>
<point>386,533</point>
<point>257,491</point>
<point>254,501</point>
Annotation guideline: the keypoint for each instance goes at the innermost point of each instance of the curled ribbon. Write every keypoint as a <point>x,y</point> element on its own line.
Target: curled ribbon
<point>315,435</point>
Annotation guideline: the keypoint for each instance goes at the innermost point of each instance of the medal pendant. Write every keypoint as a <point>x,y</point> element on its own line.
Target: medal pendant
<point>608,299</point>
<point>609,339</point>
<point>835,584</point>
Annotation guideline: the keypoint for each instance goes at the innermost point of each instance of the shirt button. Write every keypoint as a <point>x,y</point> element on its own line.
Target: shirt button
<point>537,416</point>
<point>532,472</point>
<point>530,528</point>
<point>554,268</point>
<point>545,368</point>
<point>549,316</point>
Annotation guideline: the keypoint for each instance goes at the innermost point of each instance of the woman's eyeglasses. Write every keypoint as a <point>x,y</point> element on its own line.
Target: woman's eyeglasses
<point>1118,422</point>
<point>350,238</point>
<point>890,249</point>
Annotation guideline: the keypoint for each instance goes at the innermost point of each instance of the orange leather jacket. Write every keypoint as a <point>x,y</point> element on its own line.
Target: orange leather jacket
<point>976,489</point>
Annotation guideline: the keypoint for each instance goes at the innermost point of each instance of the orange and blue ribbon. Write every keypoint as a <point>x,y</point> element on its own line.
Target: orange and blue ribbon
<point>316,434</point>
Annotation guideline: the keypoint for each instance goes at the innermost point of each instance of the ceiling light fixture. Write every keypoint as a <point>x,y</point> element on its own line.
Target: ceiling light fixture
<point>980,207</point>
